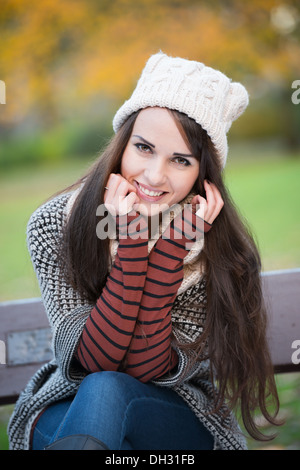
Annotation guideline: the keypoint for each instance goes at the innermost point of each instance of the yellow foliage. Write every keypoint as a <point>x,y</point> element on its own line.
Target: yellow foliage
<point>55,52</point>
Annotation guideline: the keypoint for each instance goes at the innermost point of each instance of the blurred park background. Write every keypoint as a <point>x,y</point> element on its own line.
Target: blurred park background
<point>68,65</point>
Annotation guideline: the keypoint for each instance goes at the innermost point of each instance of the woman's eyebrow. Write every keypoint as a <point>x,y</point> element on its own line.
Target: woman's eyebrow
<point>144,140</point>
<point>176,154</point>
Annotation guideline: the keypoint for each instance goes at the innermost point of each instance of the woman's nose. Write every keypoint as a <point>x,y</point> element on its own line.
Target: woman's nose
<point>156,173</point>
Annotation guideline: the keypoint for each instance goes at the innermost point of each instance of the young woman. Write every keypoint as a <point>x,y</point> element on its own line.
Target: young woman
<point>151,283</point>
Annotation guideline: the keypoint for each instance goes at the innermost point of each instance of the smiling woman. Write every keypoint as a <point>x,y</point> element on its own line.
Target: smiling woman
<point>151,321</point>
<point>161,171</point>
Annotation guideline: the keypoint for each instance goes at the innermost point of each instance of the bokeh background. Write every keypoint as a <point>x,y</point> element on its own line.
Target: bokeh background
<point>69,64</point>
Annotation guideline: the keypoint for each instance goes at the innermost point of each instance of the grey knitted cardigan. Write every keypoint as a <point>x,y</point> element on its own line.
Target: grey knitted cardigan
<point>68,311</point>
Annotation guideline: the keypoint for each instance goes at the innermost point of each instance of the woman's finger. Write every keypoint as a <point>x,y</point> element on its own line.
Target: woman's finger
<point>199,205</point>
<point>211,206</point>
<point>120,195</point>
<point>211,203</point>
<point>214,202</point>
<point>111,185</point>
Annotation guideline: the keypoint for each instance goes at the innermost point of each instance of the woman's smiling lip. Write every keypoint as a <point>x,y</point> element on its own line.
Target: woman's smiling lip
<point>148,197</point>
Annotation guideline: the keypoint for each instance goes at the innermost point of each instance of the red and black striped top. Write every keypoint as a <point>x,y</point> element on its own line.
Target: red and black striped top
<point>129,328</point>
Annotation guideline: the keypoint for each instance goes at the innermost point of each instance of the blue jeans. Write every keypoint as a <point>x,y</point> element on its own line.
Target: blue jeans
<point>124,414</point>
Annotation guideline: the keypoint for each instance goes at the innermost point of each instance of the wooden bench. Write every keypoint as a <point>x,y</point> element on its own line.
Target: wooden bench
<point>25,335</point>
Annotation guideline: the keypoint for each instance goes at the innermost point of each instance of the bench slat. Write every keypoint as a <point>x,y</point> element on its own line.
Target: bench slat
<point>26,319</point>
<point>282,297</point>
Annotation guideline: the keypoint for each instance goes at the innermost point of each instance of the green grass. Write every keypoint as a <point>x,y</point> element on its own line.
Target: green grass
<point>265,187</point>
<point>5,412</point>
<point>20,194</point>
<point>288,434</point>
<point>267,193</point>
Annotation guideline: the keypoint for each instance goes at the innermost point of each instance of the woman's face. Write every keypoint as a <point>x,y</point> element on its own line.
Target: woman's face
<point>158,162</point>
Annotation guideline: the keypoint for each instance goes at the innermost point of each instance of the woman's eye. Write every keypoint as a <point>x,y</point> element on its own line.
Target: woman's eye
<point>143,148</point>
<point>182,161</point>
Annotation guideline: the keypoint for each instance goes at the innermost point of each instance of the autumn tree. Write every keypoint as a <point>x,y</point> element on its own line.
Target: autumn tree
<point>56,56</point>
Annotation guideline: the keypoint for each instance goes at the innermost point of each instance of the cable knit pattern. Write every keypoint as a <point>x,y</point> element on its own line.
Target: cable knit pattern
<point>203,93</point>
<point>68,312</point>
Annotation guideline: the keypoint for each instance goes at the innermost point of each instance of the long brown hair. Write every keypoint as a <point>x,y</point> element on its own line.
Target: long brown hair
<point>236,321</point>
<point>235,328</point>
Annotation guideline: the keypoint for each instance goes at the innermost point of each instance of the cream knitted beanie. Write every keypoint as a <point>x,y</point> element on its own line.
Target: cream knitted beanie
<point>204,94</point>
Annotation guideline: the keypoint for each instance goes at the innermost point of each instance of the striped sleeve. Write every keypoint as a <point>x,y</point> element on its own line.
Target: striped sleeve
<point>130,327</point>
<point>109,328</point>
<point>150,355</point>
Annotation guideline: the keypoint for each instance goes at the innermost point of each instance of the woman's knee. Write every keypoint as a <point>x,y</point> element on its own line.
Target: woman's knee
<point>107,383</point>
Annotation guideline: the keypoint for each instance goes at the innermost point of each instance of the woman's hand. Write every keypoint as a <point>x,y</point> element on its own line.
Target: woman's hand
<point>120,196</point>
<point>212,205</point>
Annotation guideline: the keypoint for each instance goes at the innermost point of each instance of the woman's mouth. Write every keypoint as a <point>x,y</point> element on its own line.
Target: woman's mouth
<point>148,194</point>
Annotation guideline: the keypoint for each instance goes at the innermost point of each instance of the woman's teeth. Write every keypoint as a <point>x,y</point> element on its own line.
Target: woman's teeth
<point>150,193</point>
